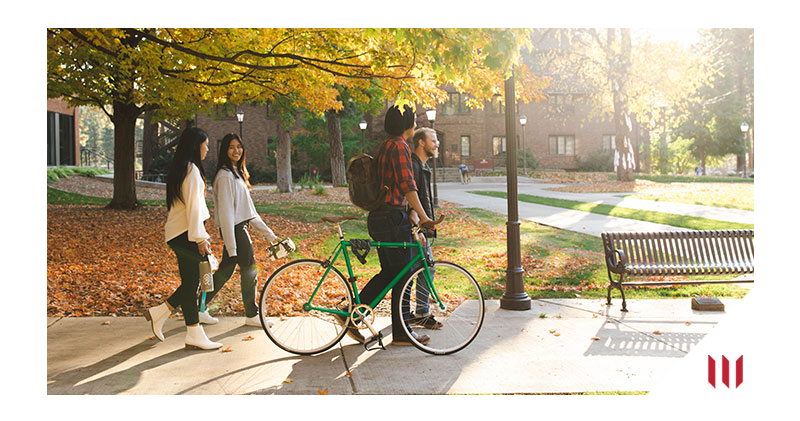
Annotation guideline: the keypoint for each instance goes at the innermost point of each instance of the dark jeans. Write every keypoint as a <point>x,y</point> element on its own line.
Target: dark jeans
<point>188,265</point>
<point>390,226</point>
<point>248,271</point>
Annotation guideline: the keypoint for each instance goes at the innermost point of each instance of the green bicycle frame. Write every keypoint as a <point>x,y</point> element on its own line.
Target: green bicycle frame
<point>341,248</point>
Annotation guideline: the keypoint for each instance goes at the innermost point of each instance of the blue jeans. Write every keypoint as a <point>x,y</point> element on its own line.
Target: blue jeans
<point>423,304</point>
<point>389,226</point>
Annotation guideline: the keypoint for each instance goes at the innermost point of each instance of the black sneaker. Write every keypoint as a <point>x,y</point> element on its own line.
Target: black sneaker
<point>405,341</point>
<point>425,322</point>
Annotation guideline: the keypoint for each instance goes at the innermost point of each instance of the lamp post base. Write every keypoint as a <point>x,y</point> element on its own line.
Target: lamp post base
<point>519,301</point>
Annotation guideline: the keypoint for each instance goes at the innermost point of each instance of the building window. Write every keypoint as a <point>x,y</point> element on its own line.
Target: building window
<point>498,145</point>
<point>498,107</point>
<point>465,146</point>
<point>456,104</point>
<point>561,102</point>
<point>562,145</point>
<point>609,142</point>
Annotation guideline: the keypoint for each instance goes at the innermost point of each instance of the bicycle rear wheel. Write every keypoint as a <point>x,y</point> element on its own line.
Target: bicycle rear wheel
<point>281,307</point>
<point>462,317</point>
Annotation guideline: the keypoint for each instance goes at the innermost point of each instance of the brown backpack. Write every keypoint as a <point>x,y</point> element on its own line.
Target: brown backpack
<point>366,191</point>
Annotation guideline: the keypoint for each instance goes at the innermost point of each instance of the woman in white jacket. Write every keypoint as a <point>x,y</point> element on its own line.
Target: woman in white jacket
<point>185,234</point>
<point>235,215</point>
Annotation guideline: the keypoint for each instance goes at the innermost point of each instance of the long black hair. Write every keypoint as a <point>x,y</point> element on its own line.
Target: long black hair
<point>223,162</point>
<point>187,151</point>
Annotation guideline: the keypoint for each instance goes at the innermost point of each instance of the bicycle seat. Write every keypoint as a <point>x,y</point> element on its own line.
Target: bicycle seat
<point>337,219</point>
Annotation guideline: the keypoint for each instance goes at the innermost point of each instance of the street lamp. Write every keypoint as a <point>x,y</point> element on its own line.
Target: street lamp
<point>744,128</point>
<point>240,117</point>
<point>522,120</point>
<point>431,114</point>
<point>363,126</point>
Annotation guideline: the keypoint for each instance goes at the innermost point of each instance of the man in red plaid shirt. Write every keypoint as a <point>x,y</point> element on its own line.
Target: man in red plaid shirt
<point>390,223</point>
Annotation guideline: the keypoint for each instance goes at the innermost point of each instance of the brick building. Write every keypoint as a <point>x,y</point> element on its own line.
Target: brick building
<point>558,132</point>
<point>63,133</point>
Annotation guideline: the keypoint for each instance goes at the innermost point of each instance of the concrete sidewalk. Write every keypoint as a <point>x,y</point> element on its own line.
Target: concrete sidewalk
<point>583,222</point>
<point>548,349</point>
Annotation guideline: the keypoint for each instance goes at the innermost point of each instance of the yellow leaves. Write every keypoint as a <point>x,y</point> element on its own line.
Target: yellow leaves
<point>322,392</point>
<point>227,349</point>
<point>288,381</point>
<point>656,332</point>
<point>248,338</point>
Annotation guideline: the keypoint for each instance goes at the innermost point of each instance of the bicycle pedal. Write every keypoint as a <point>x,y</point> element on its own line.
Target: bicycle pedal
<point>379,339</point>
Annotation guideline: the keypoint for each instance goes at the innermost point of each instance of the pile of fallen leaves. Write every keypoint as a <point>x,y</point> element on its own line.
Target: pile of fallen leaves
<point>109,262</point>
<point>565,177</point>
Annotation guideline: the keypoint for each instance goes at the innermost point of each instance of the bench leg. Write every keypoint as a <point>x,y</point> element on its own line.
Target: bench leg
<point>611,284</point>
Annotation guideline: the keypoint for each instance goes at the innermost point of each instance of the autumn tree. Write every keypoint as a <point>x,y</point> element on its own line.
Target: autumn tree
<point>621,75</point>
<point>176,72</point>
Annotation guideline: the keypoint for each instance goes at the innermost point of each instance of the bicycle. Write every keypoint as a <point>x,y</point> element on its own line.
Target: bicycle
<point>306,305</point>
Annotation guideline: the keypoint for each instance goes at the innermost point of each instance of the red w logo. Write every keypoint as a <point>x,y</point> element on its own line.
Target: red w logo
<point>712,371</point>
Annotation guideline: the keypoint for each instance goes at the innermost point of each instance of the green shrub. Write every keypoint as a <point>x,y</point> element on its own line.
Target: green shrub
<point>601,161</point>
<point>319,191</point>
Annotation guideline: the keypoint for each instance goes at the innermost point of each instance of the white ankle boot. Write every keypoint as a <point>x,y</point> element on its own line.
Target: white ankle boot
<point>206,318</point>
<point>196,339</point>
<point>157,316</point>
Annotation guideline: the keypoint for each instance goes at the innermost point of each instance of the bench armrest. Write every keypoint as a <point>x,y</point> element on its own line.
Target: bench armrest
<point>616,261</point>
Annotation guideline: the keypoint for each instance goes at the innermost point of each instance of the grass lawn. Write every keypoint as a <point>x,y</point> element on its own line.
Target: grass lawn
<point>682,221</point>
<point>557,263</point>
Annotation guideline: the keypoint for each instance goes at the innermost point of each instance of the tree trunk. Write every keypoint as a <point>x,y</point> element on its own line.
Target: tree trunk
<point>125,115</point>
<point>337,150</point>
<point>284,160</point>
<point>619,75</point>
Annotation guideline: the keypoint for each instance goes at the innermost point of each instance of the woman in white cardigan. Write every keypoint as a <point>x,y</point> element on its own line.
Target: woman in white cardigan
<point>185,234</point>
<point>235,215</point>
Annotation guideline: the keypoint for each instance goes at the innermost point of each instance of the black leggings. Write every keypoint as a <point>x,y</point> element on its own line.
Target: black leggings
<point>189,259</point>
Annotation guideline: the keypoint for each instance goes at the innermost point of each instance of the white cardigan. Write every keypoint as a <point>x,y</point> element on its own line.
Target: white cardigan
<point>189,214</point>
<point>232,206</point>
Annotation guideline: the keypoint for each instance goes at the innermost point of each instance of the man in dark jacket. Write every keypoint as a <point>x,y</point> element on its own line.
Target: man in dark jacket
<point>424,145</point>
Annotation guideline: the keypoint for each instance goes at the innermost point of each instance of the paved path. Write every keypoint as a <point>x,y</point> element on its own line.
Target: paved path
<point>515,352</point>
<point>583,222</point>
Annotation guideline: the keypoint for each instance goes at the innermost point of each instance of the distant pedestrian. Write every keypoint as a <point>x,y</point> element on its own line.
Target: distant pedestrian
<point>235,214</point>
<point>463,172</point>
<point>185,234</point>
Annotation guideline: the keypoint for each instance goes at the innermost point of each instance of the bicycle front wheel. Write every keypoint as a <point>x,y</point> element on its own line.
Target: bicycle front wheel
<point>286,320</point>
<point>453,327</point>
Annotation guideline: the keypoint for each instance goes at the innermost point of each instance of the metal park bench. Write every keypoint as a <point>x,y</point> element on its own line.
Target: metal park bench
<point>677,253</point>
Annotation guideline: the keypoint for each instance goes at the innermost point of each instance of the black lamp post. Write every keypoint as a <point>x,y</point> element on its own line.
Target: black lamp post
<point>522,120</point>
<point>240,117</point>
<point>363,126</point>
<point>744,128</point>
<point>431,114</point>
<point>514,297</point>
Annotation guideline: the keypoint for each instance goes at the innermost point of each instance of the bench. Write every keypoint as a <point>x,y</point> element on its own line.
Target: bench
<point>715,252</point>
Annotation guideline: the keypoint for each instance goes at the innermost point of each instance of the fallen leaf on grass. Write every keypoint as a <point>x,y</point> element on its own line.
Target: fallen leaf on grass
<point>322,392</point>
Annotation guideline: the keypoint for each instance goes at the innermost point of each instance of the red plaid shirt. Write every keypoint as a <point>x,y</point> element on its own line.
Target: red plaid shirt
<point>394,170</point>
